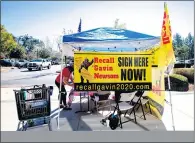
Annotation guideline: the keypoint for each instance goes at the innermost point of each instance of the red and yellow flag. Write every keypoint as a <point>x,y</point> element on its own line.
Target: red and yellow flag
<point>164,58</point>
<point>166,39</point>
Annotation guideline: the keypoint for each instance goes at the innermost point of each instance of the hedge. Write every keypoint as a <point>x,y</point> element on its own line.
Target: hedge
<point>178,83</point>
<point>187,72</point>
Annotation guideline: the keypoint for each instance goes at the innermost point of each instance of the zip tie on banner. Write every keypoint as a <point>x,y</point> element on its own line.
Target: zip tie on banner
<point>167,102</point>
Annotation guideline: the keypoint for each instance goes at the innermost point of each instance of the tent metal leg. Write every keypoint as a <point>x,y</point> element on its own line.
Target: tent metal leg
<point>143,111</point>
<point>134,115</point>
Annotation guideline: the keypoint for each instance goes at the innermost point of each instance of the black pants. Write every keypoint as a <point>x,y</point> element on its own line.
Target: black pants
<point>82,80</point>
<point>63,95</point>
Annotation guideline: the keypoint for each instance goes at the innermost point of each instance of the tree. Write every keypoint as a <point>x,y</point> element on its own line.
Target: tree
<point>30,45</point>
<point>184,47</point>
<point>44,53</point>
<point>56,56</point>
<point>119,26</point>
<point>48,44</point>
<point>177,40</point>
<point>7,42</point>
<point>58,41</point>
<point>45,49</point>
<point>18,52</point>
<point>28,42</point>
<point>189,41</point>
<point>182,52</point>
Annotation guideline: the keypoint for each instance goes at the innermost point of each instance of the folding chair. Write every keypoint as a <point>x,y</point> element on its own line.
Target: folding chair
<point>143,101</point>
<point>124,104</point>
<point>101,99</point>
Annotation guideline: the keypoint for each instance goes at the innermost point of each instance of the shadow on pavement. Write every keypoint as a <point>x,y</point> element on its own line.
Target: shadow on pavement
<point>88,121</point>
<point>69,120</point>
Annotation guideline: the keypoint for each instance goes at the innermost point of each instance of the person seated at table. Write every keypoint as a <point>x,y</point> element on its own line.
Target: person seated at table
<point>66,76</point>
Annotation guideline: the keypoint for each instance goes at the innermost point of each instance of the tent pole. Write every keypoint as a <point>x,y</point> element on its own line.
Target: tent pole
<point>169,84</point>
<point>60,89</point>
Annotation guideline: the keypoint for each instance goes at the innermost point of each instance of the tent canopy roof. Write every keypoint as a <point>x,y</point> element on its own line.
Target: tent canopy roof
<point>110,39</point>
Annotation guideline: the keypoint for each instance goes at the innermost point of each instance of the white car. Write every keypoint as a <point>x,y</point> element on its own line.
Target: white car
<point>39,64</point>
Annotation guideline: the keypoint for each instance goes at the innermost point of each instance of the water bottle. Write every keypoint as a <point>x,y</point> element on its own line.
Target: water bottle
<point>24,94</point>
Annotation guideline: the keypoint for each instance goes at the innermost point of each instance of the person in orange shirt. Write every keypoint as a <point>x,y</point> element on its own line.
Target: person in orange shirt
<point>66,76</point>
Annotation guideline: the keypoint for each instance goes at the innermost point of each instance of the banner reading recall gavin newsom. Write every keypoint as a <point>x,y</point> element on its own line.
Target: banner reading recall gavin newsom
<point>112,71</point>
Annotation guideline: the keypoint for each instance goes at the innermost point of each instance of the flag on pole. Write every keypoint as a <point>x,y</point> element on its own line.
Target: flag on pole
<point>166,40</point>
<point>164,58</point>
<point>166,43</point>
<point>79,28</point>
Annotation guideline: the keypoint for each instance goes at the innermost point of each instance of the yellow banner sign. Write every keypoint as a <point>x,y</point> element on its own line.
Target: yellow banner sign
<point>112,71</point>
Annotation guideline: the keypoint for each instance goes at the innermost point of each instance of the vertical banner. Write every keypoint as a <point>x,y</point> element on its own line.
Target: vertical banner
<point>112,71</point>
<point>157,95</point>
<point>164,55</point>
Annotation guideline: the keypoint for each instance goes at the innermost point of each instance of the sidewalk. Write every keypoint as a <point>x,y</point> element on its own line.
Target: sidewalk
<point>9,119</point>
<point>183,111</point>
<point>69,121</point>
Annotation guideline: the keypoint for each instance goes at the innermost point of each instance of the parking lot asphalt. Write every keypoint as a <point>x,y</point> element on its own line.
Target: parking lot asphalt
<point>22,77</point>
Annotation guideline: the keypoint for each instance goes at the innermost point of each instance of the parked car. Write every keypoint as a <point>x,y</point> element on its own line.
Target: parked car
<point>192,62</point>
<point>52,62</point>
<point>56,62</point>
<point>48,60</point>
<point>182,64</point>
<point>7,62</point>
<point>22,64</point>
<point>39,64</point>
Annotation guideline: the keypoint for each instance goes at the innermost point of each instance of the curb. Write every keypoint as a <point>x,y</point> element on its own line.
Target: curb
<point>186,92</point>
<point>3,69</point>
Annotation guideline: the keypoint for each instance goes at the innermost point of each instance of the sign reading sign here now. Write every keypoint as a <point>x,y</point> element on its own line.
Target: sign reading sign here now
<point>112,71</point>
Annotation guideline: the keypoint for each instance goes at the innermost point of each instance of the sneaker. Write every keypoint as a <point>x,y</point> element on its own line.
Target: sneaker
<point>62,106</point>
<point>67,108</point>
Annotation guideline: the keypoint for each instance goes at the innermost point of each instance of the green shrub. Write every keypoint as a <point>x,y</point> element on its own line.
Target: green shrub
<point>187,72</point>
<point>178,83</point>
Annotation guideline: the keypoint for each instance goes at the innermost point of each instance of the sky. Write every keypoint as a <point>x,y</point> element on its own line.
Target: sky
<point>42,19</point>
